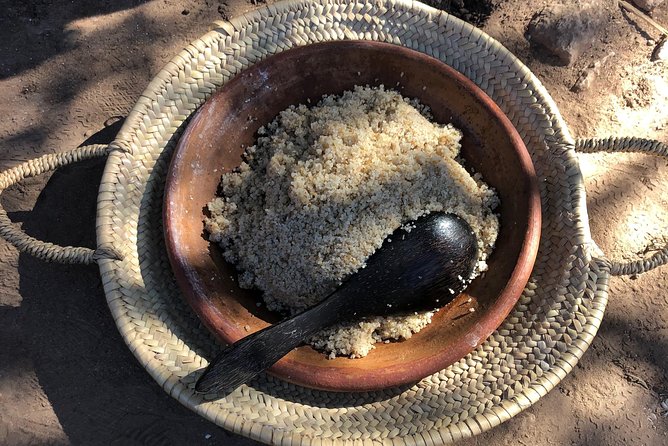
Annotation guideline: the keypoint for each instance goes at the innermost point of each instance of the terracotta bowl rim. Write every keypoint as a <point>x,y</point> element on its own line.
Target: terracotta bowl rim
<point>305,374</point>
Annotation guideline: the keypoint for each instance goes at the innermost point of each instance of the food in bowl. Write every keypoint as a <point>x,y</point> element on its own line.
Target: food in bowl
<point>324,186</point>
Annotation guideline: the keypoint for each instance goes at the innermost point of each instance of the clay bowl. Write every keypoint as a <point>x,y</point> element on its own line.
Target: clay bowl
<point>213,143</point>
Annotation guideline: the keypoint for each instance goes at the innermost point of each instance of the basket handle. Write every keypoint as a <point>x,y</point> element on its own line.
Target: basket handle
<point>45,250</point>
<point>628,144</point>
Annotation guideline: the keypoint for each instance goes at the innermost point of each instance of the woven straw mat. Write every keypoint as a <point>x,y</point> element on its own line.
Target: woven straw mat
<point>539,343</point>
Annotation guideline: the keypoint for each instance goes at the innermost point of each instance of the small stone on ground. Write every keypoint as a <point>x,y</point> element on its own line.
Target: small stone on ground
<point>566,30</point>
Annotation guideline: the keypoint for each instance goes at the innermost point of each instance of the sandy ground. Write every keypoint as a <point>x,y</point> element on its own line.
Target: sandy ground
<point>69,70</point>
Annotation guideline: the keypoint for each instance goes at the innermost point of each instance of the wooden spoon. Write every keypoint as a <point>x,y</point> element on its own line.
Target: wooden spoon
<point>422,269</point>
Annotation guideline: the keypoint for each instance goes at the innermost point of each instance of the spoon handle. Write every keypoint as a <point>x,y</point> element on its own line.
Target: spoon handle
<point>248,357</point>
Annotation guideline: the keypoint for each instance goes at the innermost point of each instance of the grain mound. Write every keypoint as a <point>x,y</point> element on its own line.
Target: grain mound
<point>324,186</point>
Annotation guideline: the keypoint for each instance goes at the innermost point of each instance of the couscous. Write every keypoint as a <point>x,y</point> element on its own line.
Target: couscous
<point>325,185</point>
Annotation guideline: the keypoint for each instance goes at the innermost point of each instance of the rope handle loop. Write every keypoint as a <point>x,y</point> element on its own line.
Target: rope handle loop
<point>37,248</point>
<point>628,144</point>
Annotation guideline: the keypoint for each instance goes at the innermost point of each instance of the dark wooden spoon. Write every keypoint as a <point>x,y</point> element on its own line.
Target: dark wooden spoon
<point>422,269</point>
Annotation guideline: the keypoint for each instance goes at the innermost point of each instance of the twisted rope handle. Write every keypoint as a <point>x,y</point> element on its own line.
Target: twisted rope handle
<point>628,144</point>
<point>45,250</point>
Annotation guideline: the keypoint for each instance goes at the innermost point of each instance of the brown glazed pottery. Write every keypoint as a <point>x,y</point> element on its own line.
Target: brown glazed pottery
<point>214,140</point>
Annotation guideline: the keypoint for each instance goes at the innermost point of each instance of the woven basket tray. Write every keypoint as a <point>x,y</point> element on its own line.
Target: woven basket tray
<point>538,344</point>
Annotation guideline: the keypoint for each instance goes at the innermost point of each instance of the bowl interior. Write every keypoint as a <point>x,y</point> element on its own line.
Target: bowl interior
<point>227,123</point>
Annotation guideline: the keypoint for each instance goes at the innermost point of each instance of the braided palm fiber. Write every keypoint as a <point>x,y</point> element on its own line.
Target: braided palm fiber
<point>628,144</point>
<point>45,250</point>
<point>538,344</point>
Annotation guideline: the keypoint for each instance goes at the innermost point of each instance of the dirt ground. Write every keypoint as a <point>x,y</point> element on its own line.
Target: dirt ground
<point>71,69</point>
